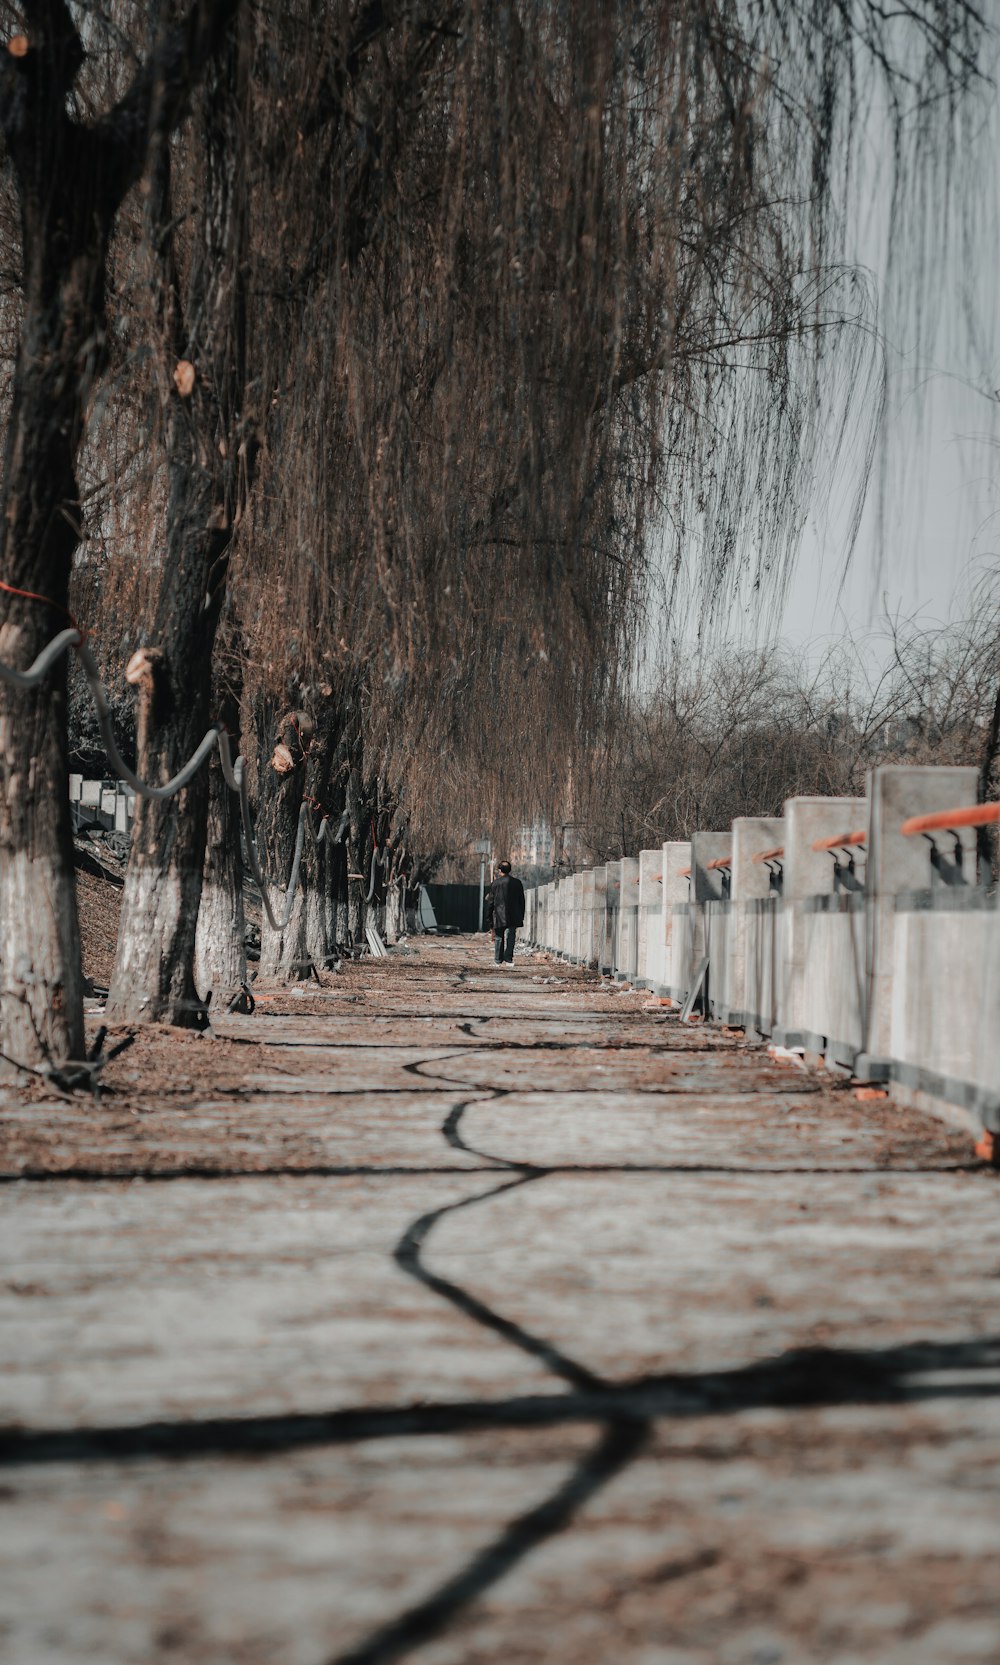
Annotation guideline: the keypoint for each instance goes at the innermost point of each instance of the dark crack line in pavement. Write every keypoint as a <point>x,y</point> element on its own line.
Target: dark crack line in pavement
<point>408,1255</point>
<point>772,1089</point>
<point>812,1378</point>
<point>619,1442</point>
<point>199,1171</point>
<point>534,1170</point>
<point>451,1126</point>
<point>618,1446</point>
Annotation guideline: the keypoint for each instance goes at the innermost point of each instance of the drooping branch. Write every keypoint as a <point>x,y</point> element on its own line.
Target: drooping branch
<point>160,94</point>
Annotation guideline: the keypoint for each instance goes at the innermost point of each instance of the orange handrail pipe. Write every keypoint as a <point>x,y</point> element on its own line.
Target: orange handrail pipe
<point>769,855</point>
<point>973,815</point>
<point>842,842</point>
<point>720,861</point>
<point>684,873</point>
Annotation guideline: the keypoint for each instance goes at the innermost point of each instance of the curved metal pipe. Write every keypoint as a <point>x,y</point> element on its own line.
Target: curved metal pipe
<point>234,774</point>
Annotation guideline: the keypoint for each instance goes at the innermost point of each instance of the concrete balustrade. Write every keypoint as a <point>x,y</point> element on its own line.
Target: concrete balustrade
<point>821,993</point>
<point>599,926</point>
<point>755,895</point>
<point>677,919</point>
<point>627,956</point>
<point>937,1036</point>
<point>899,870</point>
<point>568,887</point>
<point>612,906</point>
<point>650,971</point>
<point>710,916</point>
<point>829,929</point>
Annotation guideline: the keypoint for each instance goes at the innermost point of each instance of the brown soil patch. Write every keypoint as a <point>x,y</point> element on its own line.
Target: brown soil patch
<point>99,899</point>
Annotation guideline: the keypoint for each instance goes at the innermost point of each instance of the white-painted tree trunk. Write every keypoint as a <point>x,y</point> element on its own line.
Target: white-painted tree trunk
<point>41,999</point>
<point>157,905</point>
<point>283,956</point>
<point>317,924</point>
<point>395,913</point>
<point>220,961</point>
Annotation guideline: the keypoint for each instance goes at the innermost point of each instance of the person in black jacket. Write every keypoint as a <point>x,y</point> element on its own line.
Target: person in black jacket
<point>504,912</point>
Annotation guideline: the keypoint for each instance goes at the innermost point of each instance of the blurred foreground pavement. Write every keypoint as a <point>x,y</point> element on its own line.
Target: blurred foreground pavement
<point>476,1316</point>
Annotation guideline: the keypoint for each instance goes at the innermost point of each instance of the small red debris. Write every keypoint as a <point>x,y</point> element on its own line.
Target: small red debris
<point>988,1149</point>
<point>867,1094</point>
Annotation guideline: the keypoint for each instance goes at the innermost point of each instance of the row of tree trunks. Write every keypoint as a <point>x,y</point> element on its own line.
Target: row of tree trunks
<point>70,179</point>
<point>307,760</point>
<point>204,373</point>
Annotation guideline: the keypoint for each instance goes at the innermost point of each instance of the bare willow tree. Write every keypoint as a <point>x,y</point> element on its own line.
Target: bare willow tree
<point>76,141</point>
<point>209,441</point>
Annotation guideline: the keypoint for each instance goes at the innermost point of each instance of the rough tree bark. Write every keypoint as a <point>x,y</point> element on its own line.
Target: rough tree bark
<point>317,864</point>
<point>220,963</point>
<point>282,775</point>
<point>395,911</point>
<point>209,470</point>
<point>359,848</point>
<point>70,179</point>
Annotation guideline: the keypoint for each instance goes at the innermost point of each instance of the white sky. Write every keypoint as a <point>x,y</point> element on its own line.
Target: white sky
<point>932,522</point>
<point>928,531</point>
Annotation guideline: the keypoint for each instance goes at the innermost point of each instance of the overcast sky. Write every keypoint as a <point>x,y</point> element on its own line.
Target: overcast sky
<point>933,516</point>
<point>929,530</point>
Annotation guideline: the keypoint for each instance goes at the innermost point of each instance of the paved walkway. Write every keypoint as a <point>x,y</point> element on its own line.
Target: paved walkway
<point>470,1317</point>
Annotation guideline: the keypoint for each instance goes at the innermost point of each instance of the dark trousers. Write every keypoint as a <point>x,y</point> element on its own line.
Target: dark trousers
<point>503,942</point>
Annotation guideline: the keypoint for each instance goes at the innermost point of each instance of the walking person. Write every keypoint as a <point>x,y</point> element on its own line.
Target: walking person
<point>505,912</point>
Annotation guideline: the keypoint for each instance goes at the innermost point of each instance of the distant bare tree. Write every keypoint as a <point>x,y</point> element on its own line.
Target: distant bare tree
<point>738,733</point>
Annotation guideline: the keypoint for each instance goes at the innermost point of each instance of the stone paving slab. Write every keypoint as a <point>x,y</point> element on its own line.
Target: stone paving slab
<point>571,1335</point>
<point>267,1127</point>
<point>728,1132</point>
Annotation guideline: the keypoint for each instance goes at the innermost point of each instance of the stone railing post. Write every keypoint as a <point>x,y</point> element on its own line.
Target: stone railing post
<point>755,907</point>
<point>821,947</point>
<point>677,918</point>
<point>898,866</point>
<point>649,955</point>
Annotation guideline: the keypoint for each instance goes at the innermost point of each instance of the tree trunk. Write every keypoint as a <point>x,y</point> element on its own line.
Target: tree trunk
<point>67,206</point>
<point>220,956</point>
<point>154,968</point>
<point>153,976</point>
<point>320,941</point>
<point>70,178</point>
<point>283,954</point>
<point>220,959</point>
<point>319,948</point>
<point>358,863</point>
<point>282,782</point>
<point>41,994</point>
<point>395,911</point>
